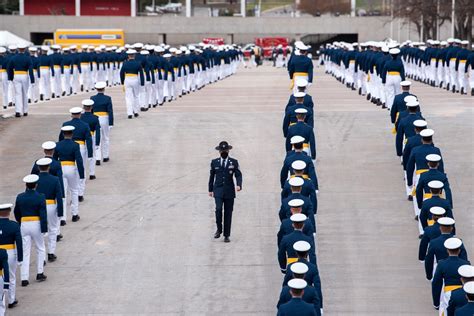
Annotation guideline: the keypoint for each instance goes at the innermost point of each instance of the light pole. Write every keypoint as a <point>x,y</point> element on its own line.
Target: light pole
<point>453,5</point>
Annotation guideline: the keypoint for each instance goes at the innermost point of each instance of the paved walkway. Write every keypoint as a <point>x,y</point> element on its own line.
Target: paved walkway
<point>144,244</point>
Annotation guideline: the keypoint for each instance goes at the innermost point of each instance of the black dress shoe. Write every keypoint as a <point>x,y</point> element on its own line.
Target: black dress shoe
<point>24,283</point>
<point>10,104</point>
<point>52,257</point>
<point>416,217</point>
<point>130,116</point>
<point>59,237</point>
<point>14,304</point>
<point>76,218</point>
<point>97,162</point>
<point>25,114</point>
<point>106,159</point>
<point>17,114</point>
<point>410,198</point>
<point>41,97</point>
<point>217,234</point>
<point>143,109</point>
<point>81,198</point>
<point>40,277</point>
<point>64,93</point>
<point>91,177</point>
<point>63,222</point>
<point>226,239</point>
<point>135,114</point>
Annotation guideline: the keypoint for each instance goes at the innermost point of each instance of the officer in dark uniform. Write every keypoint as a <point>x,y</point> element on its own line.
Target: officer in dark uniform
<point>296,186</point>
<point>222,187</point>
<point>297,154</point>
<point>286,226</point>
<point>433,231</point>
<point>92,121</point>
<point>296,306</point>
<point>422,189</point>
<point>458,297</point>
<point>399,102</point>
<point>468,309</point>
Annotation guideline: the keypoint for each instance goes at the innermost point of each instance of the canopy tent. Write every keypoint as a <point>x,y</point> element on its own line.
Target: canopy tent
<point>7,38</point>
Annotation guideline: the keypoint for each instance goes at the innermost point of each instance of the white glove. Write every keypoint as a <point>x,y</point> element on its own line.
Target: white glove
<point>317,191</point>
<point>110,127</point>
<point>19,263</point>
<point>97,148</point>
<point>45,235</point>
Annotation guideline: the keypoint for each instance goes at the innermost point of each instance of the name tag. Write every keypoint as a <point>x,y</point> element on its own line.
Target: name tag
<point>231,167</point>
<point>216,168</point>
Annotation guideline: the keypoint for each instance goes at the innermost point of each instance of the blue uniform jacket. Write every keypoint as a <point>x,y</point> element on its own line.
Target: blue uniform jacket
<point>50,187</point>
<point>290,117</point>
<point>407,129</point>
<point>94,125</point>
<point>312,277</point>
<point>429,233</point>
<point>68,150</point>
<point>54,169</point>
<point>307,102</point>
<point>310,296</point>
<point>20,62</point>
<point>285,248</point>
<point>411,143</point>
<point>31,203</point>
<point>132,67</point>
<point>296,307</point>
<point>301,63</point>
<point>394,64</point>
<point>447,272</point>
<point>285,211</point>
<point>221,181</point>
<point>431,175</point>
<point>466,310</point>
<point>425,214</point>
<point>5,268</point>
<point>457,300</point>
<point>399,105</point>
<point>292,156</point>
<point>308,190</point>
<point>437,250</point>
<point>10,234</point>
<point>418,159</point>
<point>286,227</point>
<point>304,130</point>
<point>81,133</point>
<point>103,103</point>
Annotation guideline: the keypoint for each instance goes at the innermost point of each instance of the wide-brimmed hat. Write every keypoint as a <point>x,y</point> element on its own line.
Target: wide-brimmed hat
<point>224,146</point>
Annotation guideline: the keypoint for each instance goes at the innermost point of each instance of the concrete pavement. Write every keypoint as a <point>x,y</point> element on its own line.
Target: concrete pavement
<point>144,244</point>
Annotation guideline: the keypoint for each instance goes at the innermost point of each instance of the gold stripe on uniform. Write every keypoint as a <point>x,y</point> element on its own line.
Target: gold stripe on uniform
<point>80,142</point>
<point>418,172</point>
<point>448,288</point>
<point>7,246</point>
<point>101,113</point>
<point>50,202</point>
<point>394,73</point>
<point>68,163</point>
<point>19,72</point>
<point>30,218</point>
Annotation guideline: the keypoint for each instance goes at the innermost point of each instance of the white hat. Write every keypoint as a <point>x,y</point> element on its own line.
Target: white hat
<point>159,49</point>
<point>409,98</point>
<point>298,165</point>
<point>75,110</point>
<point>452,243</point>
<point>137,45</point>
<point>100,85</point>
<point>48,145</point>
<point>427,132</point>
<point>405,83</point>
<point>468,287</point>
<point>73,47</point>
<point>385,49</point>
<point>45,48</point>
<point>173,49</point>
<point>433,157</point>
<point>299,268</point>
<point>420,123</point>
<point>87,102</point>
<point>68,128</point>
<point>12,47</point>
<point>446,221</point>
<point>299,94</point>
<point>394,51</point>
<point>296,139</point>
<point>300,284</point>
<point>412,103</point>
<point>66,49</point>
<point>22,46</point>
<point>464,42</point>
<point>301,82</point>
<point>298,218</point>
<point>466,271</point>
<point>300,45</point>
<point>301,111</point>
<point>436,210</point>
<point>84,46</point>
<point>55,46</point>
<point>131,52</point>
<point>44,161</point>
<point>296,182</point>
<point>5,206</point>
<point>178,52</point>
<point>168,55</point>
<point>31,178</point>
<point>144,52</point>
<point>3,50</point>
<point>295,203</point>
<point>301,246</point>
<point>435,184</point>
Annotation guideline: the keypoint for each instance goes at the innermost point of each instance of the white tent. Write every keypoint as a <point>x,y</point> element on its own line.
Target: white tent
<point>7,38</point>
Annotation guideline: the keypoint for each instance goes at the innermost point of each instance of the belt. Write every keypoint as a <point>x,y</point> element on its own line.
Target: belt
<point>299,74</point>
<point>449,288</point>
<point>44,67</point>
<point>7,246</point>
<point>101,113</point>
<point>3,70</point>
<point>131,75</point>
<point>50,202</point>
<point>418,172</point>
<point>68,163</point>
<point>30,218</point>
<point>19,72</point>
<point>80,142</point>
<point>57,66</point>
<point>463,61</point>
<point>305,145</point>
<point>175,69</point>
<point>453,59</point>
<point>67,67</point>
<point>305,176</point>
<point>291,260</point>
<point>394,73</point>
<point>431,222</point>
<point>352,61</point>
<point>433,59</point>
<point>84,64</point>
<point>427,196</point>
<point>92,133</point>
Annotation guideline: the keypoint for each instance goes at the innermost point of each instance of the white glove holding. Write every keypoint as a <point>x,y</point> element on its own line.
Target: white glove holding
<point>19,263</point>
<point>45,235</point>
<point>97,148</point>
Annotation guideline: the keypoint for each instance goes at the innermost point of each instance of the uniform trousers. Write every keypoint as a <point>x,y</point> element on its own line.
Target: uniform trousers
<point>462,76</point>
<point>33,91</point>
<point>471,77</point>
<point>53,227</point>
<point>453,75</point>
<point>103,150</point>
<point>4,85</point>
<point>142,96</point>
<point>56,80</point>
<point>392,87</point>
<point>71,189</point>
<point>45,82</point>
<point>31,233</point>
<point>86,77</point>
<point>132,86</point>
<point>21,84</point>
<point>3,300</point>
<point>12,266</point>
<point>224,206</point>
<point>75,79</point>
<point>444,302</point>
<point>91,160</point>
<point>85,161</point>
<point>67,81</point>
